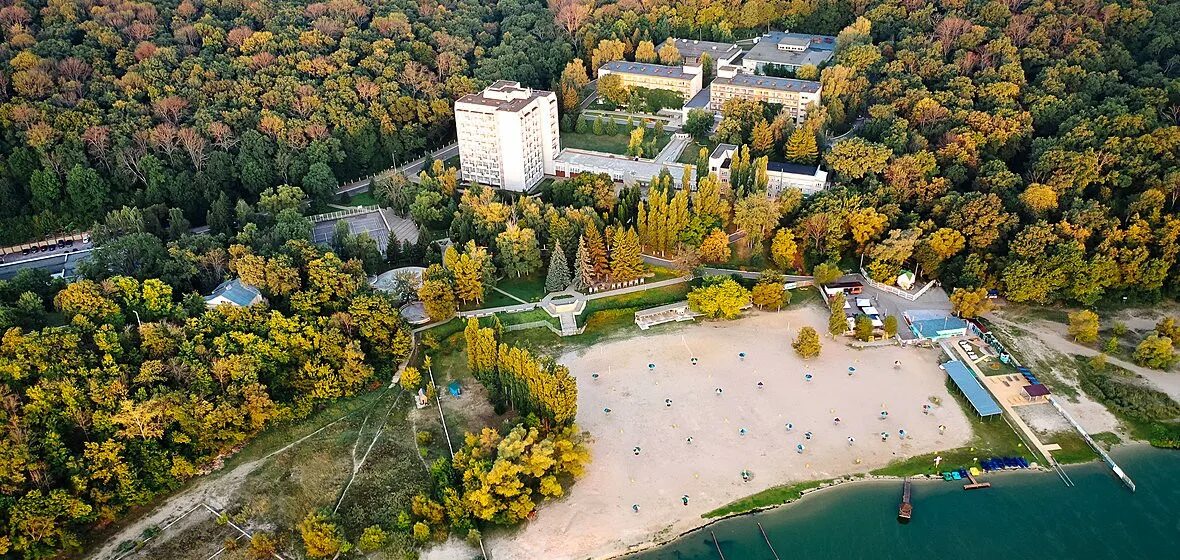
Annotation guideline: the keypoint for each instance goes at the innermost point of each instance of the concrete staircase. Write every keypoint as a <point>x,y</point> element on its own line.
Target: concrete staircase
<point>569,325</point>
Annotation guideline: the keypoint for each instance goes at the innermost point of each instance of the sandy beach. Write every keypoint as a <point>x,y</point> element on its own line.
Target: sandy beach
<point>597,518</point>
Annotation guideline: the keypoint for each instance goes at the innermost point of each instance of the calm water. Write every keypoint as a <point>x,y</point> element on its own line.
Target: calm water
<point>1025,515</point>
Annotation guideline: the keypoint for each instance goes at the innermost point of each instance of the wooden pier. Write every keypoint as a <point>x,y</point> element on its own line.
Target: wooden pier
<point>974,483</point>
<point>906,510</point>
<point>772,551</point>
<point>718,545</point>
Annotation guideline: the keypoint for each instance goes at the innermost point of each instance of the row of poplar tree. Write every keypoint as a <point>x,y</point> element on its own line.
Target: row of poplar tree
<point>518,380</point>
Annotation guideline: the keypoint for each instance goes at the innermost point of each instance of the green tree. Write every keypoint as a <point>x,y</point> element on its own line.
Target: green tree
<point>890,326</point>
<point>864,328</point>
<point>801,147</point>
<point>970,303</point>
<point>697,124</point>
<point>837,324</point>
<point>1155,351</point>
<point>1083,326</point>
<point>826,273</point>
<point>519,254</point>
<point>558,277</point>
<point>626,261</point>
<point>806,343</point>
<point>719,298</point>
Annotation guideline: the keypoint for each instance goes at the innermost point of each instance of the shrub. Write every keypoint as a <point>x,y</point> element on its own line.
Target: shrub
<point>807,343</point>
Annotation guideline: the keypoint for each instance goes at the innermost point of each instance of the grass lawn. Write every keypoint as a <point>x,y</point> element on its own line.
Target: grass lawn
<point>528,288</point>
<point>616,144</point>
<point>361,199</point>
<point>690,153</point>
<point>993,437</point>
<point>743,258</point>
<point>769,497</point>
<point>1074,449</point>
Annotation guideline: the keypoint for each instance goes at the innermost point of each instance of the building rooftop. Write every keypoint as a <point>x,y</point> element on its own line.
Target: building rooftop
<point>630,168</point>
<point>721,149</point>
<point>792,49</point>
<point>700,100</point>
<point>794,168</point>
<point>624,67</point>
<point>691,49</point>
<point>768,82</point>
<point>236,292</point>
<point>504,95</point>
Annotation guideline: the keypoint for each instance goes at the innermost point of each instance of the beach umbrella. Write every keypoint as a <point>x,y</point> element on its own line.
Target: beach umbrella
<point>790,426</point>
<point>901,433</point>
<point>651,366</point>
<point>884,414</point>
<point>851,440</point>
<point>850,370</point>
<point>884,436</point>
<point>693,360</point>
<point>807,377</point>
<point>606,410</point>
<point>799,448</point>
<point>741,355</point>
<point>807,435</point>
<point>594,376</point>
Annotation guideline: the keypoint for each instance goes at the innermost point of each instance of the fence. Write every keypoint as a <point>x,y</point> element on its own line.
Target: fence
<point>487,312</point>
<point>342,213</point>
<point>894,289</point>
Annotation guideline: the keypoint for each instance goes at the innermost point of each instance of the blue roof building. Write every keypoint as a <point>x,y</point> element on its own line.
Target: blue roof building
<point>233,292</point>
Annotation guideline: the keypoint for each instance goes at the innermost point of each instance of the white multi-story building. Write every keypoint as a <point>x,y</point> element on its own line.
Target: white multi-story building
<point>795,96</point>
<point>508,135</point>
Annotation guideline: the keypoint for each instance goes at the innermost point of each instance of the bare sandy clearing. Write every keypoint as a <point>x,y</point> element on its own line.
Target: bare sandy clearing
<point>597,520</point>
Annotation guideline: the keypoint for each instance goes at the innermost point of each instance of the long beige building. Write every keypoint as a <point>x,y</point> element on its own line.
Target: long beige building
<point>508,135</point>
<point>685,80</point>
<point>794,95</point>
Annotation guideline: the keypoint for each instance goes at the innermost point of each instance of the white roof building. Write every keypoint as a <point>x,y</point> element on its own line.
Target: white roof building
<point>508,135</point>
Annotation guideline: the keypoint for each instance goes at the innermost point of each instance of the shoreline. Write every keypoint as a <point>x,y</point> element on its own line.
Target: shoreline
<point>863,479</point>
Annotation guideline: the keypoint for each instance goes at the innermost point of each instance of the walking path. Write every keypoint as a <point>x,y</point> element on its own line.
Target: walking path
<point>410,169</point>
<point>672,150</point>
<point>509,295</point>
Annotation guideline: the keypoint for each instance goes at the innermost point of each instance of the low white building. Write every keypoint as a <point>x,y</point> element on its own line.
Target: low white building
<point>508,135</point>
<point>622,169</point>
<point>692,51</point>
<point>788,51</point>
<point>809,179</point>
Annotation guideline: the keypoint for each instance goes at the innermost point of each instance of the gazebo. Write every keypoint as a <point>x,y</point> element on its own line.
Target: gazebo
<point>1035,393</point>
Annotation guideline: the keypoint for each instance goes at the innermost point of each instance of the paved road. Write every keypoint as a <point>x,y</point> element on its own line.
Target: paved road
<point>54,264</point>
<point>410,170</point>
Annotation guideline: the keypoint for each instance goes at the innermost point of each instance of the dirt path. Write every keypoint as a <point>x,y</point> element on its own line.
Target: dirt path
<point>1048,344</point>
<point>216,489</point>
<point>1056,336</point>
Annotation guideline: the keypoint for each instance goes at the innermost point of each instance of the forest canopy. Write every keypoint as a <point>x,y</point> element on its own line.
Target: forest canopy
<point>106,103</point>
